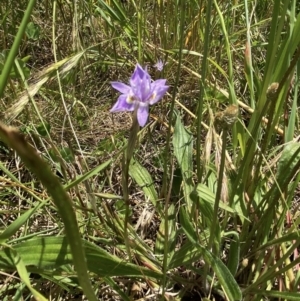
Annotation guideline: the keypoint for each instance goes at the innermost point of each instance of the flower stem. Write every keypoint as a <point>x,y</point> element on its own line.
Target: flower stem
<point>128,153</point>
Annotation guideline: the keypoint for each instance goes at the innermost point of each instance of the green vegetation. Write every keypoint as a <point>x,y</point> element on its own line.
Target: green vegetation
<point>202,203</point>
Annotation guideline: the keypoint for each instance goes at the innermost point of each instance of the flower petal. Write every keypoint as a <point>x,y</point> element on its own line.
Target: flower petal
<point>159,65</point>
<point>124,89</point>
<point>142,115</point>
<point>140,83</point>
<point>159,89</point>
<point>122,105</point>
<point>137,75</point>
<point>140,92</point>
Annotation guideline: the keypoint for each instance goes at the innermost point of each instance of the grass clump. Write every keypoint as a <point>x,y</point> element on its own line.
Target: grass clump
<point>201,202</point>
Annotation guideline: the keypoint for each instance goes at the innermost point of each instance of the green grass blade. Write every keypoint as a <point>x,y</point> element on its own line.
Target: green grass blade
<point>23,273</point>
<point>19,222</point>
<point>202,82</point>
<point>226,279</point>
<point>234,253</point>
<point>277,295</point>
<point>15,47</point>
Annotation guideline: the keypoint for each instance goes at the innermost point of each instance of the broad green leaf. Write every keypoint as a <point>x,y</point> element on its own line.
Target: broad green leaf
<point>144,180</point>
<point>183,150</point>
<point>33,31</point>
<point>160,239</point>
<point>60,198</point>
<point>53,252</point>
<point>289,160</point>
<point>187,225</point>
<point>208,196</point>
<point>67,154</point>
<point>43,129</point>
<point>206,210</point>
<point>185,256</point>
<point>14,71</point>
<point>288,166</point>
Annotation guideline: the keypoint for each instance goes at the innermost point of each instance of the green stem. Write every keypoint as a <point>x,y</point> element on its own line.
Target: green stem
<point>168,158</point>
<point>128,154</point>
<point>219,190</point>
<point>202,87</point>
<point>15,47</point>
<point>140,26</point>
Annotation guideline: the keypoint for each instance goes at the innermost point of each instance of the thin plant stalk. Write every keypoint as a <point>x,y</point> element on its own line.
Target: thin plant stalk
<point>167,151</point>
<point>140,26</point>
<point>217,203</point>
<point>248,56</point>
<point>219,190</point>
<point>202,89</point>
<point>15,47</point>
<point>125,176</point>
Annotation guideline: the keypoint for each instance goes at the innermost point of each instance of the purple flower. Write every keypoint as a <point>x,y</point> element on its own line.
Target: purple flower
<point>139,94</point>
<point>159,65</point>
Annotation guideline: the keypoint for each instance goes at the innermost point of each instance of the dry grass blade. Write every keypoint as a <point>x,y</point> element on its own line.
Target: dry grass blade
<point>49,73</point>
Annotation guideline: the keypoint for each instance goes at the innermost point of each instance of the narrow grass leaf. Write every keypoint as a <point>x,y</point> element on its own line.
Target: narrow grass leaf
<point>116,15</point>
<point>224,276</point>
<point>290,131</point>
<point>278,241</point>
<point>277,24</point>
<point>22,271</point>
<point>276,295</point>
<point>286,52</point>
<point>88,175</point>
<point>115,287</point>
<point>234,253</point>
<point>19,222</point>
<point>15,47</point>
